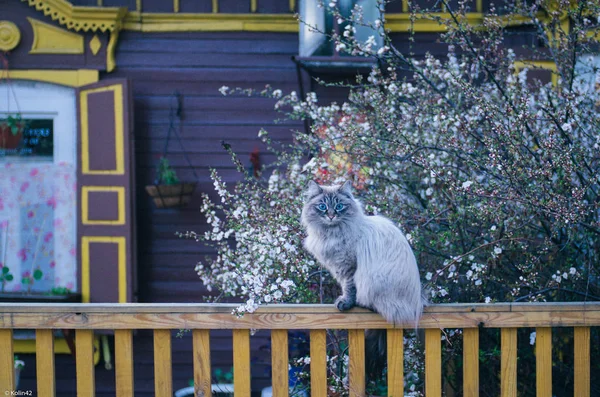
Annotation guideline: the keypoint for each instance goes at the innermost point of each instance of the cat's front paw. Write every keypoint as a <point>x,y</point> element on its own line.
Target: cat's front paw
<point>344,303</point>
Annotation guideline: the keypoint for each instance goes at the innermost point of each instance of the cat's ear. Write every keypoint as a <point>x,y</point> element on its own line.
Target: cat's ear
<point>346,188</point>
<point>313,189</point>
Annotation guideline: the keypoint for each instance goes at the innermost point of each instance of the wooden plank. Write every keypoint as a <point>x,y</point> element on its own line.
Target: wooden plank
<point>173,316</point>
<point>44,361</point>
<point>279,362</point>
<point>356,344</point>
<point>543,367</point>
<point>508,371</point>
<point>124,362</point>
<point>582,361</point>
<point>395,359</point>
<point>241,362</point>
<point>202,371</point>
<point>318,363</point>
<point>84,358</point>
<point>162,363</point>
<point>433,363</point>
<point>471,362</point>
<point>7,372</point>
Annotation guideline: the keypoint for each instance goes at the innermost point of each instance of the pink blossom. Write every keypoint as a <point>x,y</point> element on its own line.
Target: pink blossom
<point>52,202</point>
<point>34,172</point>
<point>22,254</point>
<point>48,237</point>
<point>52,265</point>
<point>24,186</point>
<point>30,214</point>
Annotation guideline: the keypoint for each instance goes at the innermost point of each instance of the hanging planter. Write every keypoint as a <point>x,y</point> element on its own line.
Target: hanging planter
<point>11,132</point>
<point>168,191</point>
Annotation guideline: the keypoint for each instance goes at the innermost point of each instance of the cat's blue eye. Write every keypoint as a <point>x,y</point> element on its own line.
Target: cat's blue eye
<point>339,206</point>
<point>322,207</point>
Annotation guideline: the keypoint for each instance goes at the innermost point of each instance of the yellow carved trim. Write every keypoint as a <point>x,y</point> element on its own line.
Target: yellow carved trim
<point>49,39</point>
<point>85,208</point>
<point>545,65</point>
<point>81,18</point>
<point>253,5</point>
<point>69,78</point>
<point>111,62</point>
<point>138,5</point>
<point>175,5</point>
<point>10,36</point>
<point>184,22</point>
<point>292,5</point>
<point>117,90</point>
<point>215,6</point>
<point>85,265</point>
<point>95,44</point>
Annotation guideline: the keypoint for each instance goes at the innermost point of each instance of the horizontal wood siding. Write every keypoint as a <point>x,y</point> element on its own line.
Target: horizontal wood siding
<point>196,65</point>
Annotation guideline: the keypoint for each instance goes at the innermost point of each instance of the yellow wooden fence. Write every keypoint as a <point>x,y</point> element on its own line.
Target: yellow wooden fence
<point>200,318</point>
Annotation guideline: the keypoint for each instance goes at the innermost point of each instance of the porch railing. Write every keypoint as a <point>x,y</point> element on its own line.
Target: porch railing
<point>200,318</point>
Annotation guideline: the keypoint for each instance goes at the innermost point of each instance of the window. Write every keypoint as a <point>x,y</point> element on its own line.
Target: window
<point>38,188</point>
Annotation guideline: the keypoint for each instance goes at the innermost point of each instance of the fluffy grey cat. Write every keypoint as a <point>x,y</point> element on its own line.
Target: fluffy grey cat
<point>368,255</point>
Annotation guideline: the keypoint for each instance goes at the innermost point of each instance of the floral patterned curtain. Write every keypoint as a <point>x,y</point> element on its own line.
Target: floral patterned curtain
<point>38,226</point>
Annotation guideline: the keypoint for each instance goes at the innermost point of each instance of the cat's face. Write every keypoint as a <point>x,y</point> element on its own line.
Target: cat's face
<point>329,205</point>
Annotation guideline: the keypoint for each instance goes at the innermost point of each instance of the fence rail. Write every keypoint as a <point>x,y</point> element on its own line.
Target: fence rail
<point>200,318</point>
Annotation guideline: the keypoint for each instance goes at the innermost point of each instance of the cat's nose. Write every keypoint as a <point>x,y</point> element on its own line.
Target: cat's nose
<point>331,216</point>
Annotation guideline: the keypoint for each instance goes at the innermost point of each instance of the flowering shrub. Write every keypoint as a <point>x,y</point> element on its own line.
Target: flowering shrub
<point>493,175</point>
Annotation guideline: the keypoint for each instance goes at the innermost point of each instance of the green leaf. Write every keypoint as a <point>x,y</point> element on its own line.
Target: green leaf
<point>25,280</point>
<point>9,277</point>
<point>5,270</point>
<point>37,274</point>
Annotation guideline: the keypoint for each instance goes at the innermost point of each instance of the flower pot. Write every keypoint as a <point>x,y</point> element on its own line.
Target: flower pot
<point>170,196</point>
<point>7,139</point>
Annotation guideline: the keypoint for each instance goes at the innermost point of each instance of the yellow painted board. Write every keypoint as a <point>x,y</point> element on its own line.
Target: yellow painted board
<point>356,344</point>
<point>279,362</point>
<point>433,363</point>
<point>163,376</point>
<point>84,353</point>
<point>543,366</point>
<point>395,359</point>
<point>202,379</point>
<point>582,361</point>
<point>44,361</point>
<point>318,363</point>
<point>241,362</point>
<point>7,372</point>
<point>471,362</point>
<point>508,371</point>
<point>124,362</point>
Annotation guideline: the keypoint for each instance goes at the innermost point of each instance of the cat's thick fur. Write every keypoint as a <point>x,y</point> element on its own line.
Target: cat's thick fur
<point>368,255</point>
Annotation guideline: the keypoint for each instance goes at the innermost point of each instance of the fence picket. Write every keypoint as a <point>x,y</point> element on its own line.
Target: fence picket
<point>433,362</point>
<point>44,361</point>
<point>202,377</point>
<point>7,372</point>
<point>508,372</point>
<point>241,362</point>
<point>471,362</point>
<point>163,373</point>
<point>84,358</point>
<point>395,358</point>
<point>356,343</point>
<point>318,363</point>
<point>543,362</point>
<point>124,362</point>
<point>582,361</point>
<point>279,362</point>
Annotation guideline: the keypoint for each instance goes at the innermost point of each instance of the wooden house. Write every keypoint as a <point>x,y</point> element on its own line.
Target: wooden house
<point>110,83</point>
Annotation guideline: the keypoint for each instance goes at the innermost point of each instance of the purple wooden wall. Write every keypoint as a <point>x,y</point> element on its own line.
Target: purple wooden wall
<point>196,65</point>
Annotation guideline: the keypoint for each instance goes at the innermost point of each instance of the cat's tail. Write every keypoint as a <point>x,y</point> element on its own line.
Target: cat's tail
<point>375,352</point>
